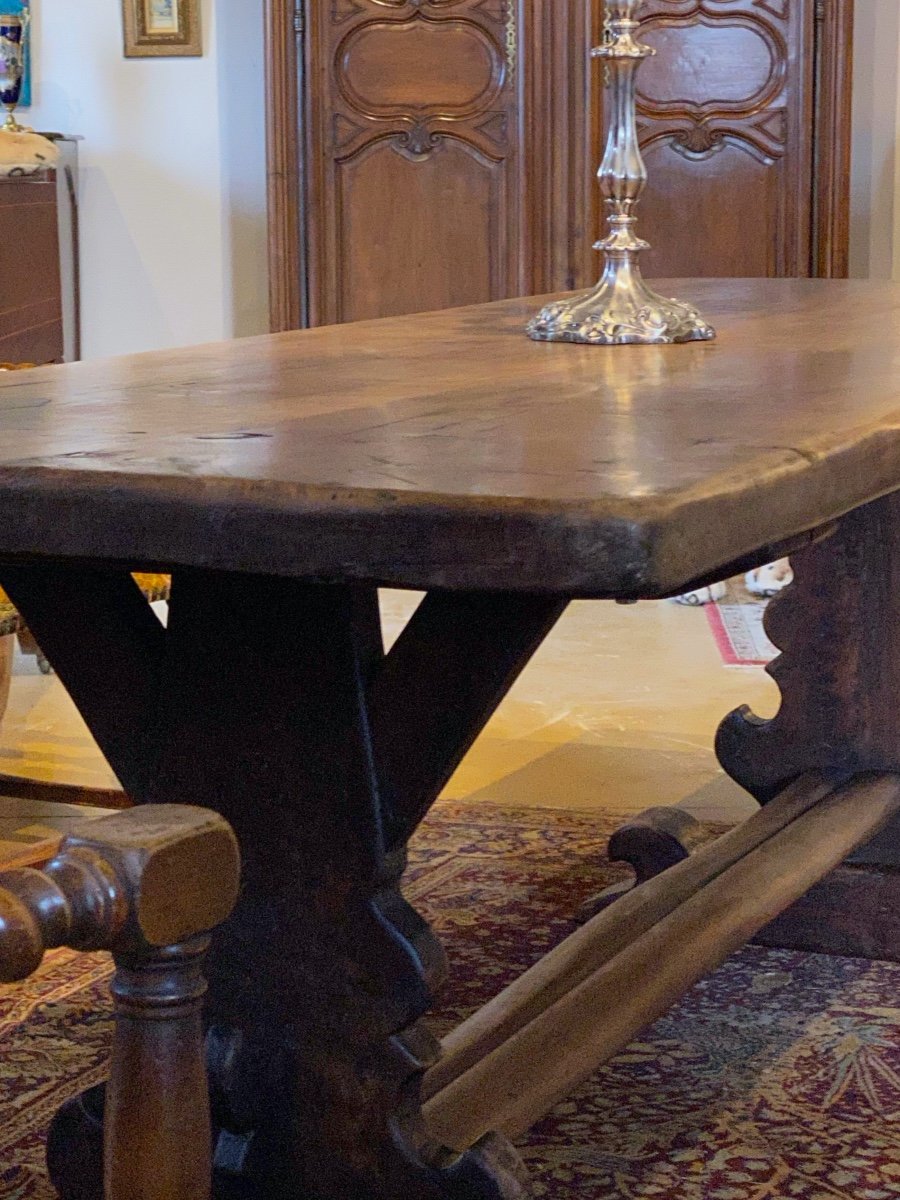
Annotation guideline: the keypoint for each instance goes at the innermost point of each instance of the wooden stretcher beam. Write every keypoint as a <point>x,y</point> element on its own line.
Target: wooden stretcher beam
<point>595,1016</point>
<point>608,933</point>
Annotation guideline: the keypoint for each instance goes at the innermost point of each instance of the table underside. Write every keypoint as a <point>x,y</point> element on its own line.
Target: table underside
<point>272,701</point>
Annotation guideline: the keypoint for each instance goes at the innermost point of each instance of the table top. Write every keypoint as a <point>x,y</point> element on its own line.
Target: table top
<point>448,450</point>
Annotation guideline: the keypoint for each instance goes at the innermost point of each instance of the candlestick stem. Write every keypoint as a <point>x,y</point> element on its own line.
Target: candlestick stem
<point>621,308</point>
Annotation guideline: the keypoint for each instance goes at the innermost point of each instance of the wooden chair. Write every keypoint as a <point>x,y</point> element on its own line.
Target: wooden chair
<point>148,885</point>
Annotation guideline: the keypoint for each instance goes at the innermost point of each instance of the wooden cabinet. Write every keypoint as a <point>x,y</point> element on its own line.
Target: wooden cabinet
<point>39,294</point>
<point>31,318</point>
<point>428,153</point>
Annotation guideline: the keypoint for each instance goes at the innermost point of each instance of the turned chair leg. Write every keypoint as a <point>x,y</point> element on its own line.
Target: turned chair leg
<point>148,885</point>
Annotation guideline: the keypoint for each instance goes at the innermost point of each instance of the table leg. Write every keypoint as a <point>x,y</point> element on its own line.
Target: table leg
<point>838,627</point>
<point>271,702</point>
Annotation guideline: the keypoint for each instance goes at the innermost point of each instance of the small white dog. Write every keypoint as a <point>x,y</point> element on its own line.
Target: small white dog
<point>763,581</point>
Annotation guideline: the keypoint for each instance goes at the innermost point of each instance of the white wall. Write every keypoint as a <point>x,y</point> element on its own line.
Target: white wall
<point>172,173</point>
<point>875,132</point>
<point>242,121</point>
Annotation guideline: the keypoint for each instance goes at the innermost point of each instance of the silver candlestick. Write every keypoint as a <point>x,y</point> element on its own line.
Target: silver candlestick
<point>621,308</point>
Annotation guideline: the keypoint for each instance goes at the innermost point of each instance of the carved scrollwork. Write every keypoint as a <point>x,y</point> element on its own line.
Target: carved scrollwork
<point>414,110</point>
<point>765,139</point>
<point>699,123</point>
<point>343,10</point>
<point>712,141</point>
<point>416,104</point>
<point>836,627</point>
<point>418,141</point>
<point>779,9</point>
<point>417,4</point>
<point>699,139</point>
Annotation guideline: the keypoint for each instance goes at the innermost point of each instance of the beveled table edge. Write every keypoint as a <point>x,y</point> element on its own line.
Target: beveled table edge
<point>579,549</point>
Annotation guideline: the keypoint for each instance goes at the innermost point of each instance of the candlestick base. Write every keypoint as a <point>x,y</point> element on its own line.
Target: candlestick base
<point>616,313</point>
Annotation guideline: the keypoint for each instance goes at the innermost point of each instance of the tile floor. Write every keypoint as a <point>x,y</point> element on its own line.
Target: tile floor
<point>617,710</point>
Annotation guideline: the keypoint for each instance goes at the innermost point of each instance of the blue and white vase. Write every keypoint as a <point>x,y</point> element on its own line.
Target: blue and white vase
<point>13,27</point>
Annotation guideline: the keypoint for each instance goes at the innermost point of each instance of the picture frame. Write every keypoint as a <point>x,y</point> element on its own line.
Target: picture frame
<point>162,28</point>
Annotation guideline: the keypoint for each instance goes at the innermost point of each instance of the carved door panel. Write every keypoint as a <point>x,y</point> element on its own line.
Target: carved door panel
<point>415,156</point>
<point>727,131</point>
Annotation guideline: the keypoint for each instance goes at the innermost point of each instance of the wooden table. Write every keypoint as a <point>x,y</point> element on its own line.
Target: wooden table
<point>282,480</point>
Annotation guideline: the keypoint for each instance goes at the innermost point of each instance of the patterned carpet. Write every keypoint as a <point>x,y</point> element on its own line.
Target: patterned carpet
<point>736,623</point>
<point>778,1078</point>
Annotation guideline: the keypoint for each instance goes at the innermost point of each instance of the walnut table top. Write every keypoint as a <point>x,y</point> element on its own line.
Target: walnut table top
<point>448,450</point>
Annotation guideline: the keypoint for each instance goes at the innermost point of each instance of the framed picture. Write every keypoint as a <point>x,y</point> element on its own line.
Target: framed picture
<point>162,28</point>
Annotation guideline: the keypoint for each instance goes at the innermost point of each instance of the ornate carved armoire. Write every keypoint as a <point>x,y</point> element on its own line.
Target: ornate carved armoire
<point>427,153</point>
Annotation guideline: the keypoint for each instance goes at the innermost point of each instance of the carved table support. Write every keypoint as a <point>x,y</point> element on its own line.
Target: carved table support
<point>272,702</point>
<point>838,627</point>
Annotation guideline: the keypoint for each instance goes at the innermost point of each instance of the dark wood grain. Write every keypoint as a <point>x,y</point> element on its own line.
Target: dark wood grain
<point>447,450</point>
<point>275,700</point>
<point>413,126</point>
<point>545,1059</point>
<point>23,787</point>
<point>424,187</point>
<point>854,910</point>
<point>107,644</point>
<point>650,842</point>
<point>433,694</point>
<point>563,143</point>
<point>833,139</point>
<point>836,626</point>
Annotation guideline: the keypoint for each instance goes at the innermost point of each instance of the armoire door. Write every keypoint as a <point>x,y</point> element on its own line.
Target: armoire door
<point>424,123</point>
<point>428,153</point>
<point>414,156</point>
<point>733,110</point>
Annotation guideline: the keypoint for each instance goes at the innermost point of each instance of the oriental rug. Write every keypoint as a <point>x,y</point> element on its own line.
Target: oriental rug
<point>736,623</point>
<point>776,1078</point>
